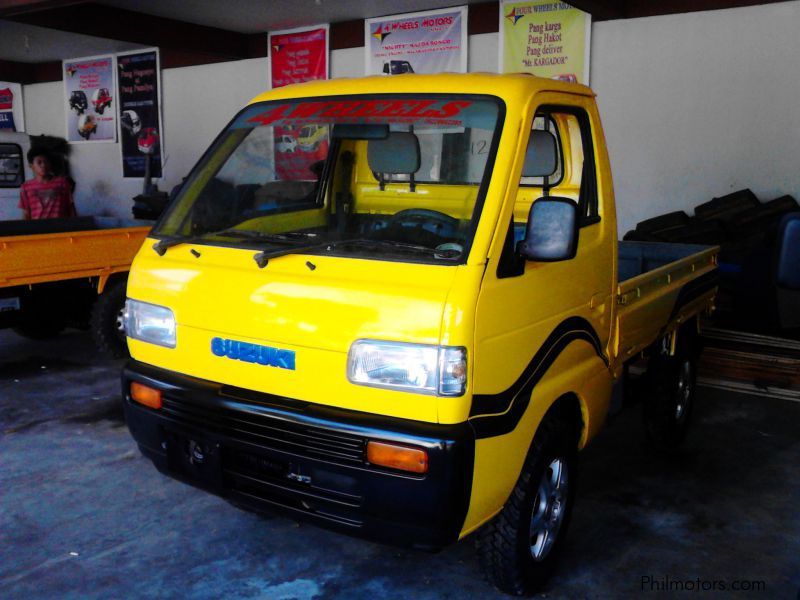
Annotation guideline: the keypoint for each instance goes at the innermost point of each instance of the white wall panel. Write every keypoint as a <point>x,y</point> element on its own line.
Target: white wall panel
<point>347,63</point>
<point>483,52</point>
<point>698,105</point>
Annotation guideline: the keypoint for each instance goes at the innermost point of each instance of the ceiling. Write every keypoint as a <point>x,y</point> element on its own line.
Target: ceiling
<point>25,43</point>
<point>253,16</point>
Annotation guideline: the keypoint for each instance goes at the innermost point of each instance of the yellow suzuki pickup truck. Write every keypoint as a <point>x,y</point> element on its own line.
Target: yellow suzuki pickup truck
<point>411,339</point>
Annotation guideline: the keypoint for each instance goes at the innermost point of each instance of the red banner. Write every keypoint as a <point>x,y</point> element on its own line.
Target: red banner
<point>298,56</point>
<point>295,57</point>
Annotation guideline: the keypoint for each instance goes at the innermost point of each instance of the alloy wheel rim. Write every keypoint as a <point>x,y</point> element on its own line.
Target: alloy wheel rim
<point>549,508</point>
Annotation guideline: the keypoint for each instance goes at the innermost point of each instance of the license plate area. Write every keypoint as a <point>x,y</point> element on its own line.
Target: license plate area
<point>262,467</point>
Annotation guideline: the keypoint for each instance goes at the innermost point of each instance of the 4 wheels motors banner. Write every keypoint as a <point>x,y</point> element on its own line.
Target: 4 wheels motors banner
<point>140,113</point>
<point>433,41</point>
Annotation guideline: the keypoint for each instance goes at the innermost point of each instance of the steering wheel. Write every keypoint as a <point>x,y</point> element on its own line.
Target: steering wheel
<point>424,216</point>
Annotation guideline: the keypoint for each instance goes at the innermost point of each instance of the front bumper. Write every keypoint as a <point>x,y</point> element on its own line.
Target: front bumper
<point>265,452</point>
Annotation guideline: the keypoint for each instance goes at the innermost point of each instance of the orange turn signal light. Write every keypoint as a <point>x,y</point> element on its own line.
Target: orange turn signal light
<point>146,395</point>
<point>404,458</point>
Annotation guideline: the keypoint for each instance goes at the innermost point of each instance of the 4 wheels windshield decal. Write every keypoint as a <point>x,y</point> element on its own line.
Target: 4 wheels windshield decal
<point>432,111</point>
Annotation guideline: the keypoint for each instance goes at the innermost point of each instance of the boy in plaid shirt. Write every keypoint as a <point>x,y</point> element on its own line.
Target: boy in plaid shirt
<point>45,196</point>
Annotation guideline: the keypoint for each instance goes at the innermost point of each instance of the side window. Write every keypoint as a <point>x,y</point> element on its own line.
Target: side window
<point>546,123</point>
<point>12,172</point>
<point>574,176</point>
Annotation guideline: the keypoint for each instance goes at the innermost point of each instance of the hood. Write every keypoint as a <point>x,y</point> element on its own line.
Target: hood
<point>312,306</point>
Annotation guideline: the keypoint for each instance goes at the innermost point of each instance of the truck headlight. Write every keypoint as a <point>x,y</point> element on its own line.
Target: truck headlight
<point>149,323</point>
<point>419,368</point>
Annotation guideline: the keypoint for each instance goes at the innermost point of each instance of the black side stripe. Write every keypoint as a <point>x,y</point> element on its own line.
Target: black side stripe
<point>498,414</point>
<point>512,402</point>
<point>693,290</point>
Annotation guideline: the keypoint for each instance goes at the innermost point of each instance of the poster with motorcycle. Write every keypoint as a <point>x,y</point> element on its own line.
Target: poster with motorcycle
<point>140,127</point>
<point>299,55</point>
<point>434,41</point>
<point>89,99</point>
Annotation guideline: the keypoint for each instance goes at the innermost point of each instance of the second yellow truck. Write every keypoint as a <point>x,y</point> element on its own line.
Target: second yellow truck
<point>411,339</point>
<point>55,272</point>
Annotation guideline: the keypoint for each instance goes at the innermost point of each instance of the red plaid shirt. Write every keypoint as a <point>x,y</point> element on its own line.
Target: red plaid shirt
<point>47,199</point>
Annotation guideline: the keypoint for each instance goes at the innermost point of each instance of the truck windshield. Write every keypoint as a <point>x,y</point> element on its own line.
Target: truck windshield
<point>388,177</point>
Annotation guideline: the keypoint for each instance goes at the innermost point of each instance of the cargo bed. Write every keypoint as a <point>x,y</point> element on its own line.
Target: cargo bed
<point>58,249</point>
<point>658,285</point>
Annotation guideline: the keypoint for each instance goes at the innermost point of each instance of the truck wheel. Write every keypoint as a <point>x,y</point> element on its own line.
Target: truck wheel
<point>106,322</point>
<point>519,548</point>
<point>671,390</point>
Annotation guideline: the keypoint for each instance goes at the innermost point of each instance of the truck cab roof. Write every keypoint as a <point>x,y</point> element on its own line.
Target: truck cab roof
<point>512,85</point>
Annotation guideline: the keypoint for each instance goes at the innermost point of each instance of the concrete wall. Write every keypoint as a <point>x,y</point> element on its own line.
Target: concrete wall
<point>699,105</point>
<point>694,106</point>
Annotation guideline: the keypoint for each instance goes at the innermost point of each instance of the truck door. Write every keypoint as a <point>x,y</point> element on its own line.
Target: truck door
<point>542,328</point>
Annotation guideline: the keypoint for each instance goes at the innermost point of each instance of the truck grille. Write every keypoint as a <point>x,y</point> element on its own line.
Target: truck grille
<point>270,432</point>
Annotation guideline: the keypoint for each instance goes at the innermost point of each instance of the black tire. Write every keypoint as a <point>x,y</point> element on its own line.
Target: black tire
<point>671,384</point>
<point>657,224</point>
<point>106,325</point>
<point>514,556</point>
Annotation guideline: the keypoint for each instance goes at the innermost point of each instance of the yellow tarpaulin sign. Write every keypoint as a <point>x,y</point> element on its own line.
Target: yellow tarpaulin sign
<point>548,39</point>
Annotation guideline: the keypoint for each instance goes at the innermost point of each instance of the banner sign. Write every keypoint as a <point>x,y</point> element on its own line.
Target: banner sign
<point>89,99</point>
<point>433,41</point>
<point>140,113</point>
<point>548,39</point>
<point>296,56</point>
<point>11,115</point>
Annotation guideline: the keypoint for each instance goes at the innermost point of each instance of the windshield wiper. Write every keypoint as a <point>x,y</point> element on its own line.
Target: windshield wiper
<point>263,257</point>
<point>282,238</point>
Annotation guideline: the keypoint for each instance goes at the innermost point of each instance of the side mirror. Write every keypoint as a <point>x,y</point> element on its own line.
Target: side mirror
<point>552,230</point>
